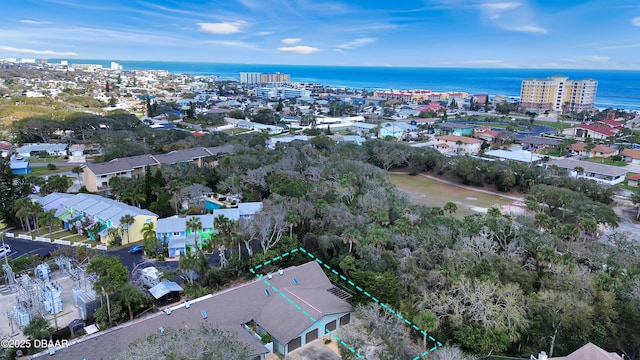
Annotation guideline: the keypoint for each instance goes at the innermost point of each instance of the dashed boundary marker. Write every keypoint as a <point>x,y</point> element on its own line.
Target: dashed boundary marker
<point>350,283</point>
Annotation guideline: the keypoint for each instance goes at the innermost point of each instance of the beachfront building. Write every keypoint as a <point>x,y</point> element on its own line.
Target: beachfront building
<point>557,93</point>
<point>247,312</point>
<point>606,174</point>
<point>457,145</point>
<point>420,96</point>
<point>250,77</point>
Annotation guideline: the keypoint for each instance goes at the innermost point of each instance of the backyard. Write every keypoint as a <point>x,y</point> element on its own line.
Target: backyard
<point>431,192</point>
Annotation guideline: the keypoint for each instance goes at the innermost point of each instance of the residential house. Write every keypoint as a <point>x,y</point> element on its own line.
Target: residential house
<point>633,180</point>
<point>395,129</point>
<point>598,150</point>
<point>76,153</point>
<point>606,174</point>
<point>175,232</point>
<point>82,211</point>
<point>586,352</point>
<point>486,133</point>
<point>299,305</point>
<point>452,144</point>
<point>96,176</point>
<point>19,165</point>
<point>452,128</point>
<point>272,142</point>
<point>539,143</point>
<point>28,150</point>
<point>617,125</point>
<point>522,156</point>
<point>6,149</point>
<point>598,132</point>
<point>348,139</point>
<point>362,128</point>
<point>631,155</point>
<point>179,237</point>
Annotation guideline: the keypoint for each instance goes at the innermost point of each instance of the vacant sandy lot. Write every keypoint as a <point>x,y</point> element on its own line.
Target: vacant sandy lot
<point>430,192</point>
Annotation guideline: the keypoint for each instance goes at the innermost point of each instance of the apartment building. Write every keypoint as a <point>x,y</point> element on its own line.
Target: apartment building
<point>419,96</point>
<point>558,93</point>
<point>250,77</point>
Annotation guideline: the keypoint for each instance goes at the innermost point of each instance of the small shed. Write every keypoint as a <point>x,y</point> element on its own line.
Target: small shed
<point>166,291</point>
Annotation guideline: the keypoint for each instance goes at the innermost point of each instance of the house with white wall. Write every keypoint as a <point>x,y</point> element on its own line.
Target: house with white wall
<point>457,145</point>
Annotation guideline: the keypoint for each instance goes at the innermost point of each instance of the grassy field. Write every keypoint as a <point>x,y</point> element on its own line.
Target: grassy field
<point>42,170</point>
<point>606,162</point>
<point>556,125</point>
<point>434,193</point>
<point>234,131</point>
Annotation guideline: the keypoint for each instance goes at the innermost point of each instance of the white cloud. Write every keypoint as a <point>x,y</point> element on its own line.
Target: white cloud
<point>356,43</point>
<point>486,63</point>
<point>33,22</point>
<point>291,41</point>
<point>232,43</point>
<point>527,28</point>
<point>263,33</point>
<point>300,49</point>
<point>12,49</point>
<point>497,10</point>
<point>636,21</point>
<point>229,27</point>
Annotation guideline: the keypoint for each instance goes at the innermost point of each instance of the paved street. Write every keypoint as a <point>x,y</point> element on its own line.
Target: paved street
<point>21,247</point>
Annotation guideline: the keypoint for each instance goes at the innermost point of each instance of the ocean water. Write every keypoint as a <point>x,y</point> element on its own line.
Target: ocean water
<point>619,89</point>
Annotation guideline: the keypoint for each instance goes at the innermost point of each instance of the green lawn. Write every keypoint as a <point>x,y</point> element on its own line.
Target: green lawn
<point>434,193</point>
<point>234,131</point>
<point>553,124</point>
<point>43,170</point>
<point>606,162</point>
<point>46,160</point>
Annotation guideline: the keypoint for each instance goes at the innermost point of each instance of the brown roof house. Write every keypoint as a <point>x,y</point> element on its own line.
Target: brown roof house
<point>295,306</point>
<point>598,150</point>
<point>631,155</point>
<point>448,144</point>
<point>587,352</point>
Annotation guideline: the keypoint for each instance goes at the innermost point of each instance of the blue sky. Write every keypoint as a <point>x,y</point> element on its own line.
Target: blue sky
<point>594,34</point>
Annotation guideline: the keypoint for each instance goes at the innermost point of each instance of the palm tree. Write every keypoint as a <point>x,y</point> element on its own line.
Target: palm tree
<point>38,328</point>
<point>22,212</point>
<point>130,294</point>
<point>450,207</point>
<point>428,322</point>
<point>293,219</point>
<point>36,208</point>
<point>351,236</point>
<point>194,224</point>
<point>48,219</point>
<point>126,221</point>
<point>78,170</point>
<point>150,237</point>
<point>494,212</point>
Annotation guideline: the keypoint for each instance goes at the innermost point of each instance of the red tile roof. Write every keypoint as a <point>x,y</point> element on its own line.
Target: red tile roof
<point>604,130</point>
<point>634,177</point>
<point>611,123</point>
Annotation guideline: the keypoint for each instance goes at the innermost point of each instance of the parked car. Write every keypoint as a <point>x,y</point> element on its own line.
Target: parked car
<point>43,254</point>
<point>5,250</point>
<point>136,249</point>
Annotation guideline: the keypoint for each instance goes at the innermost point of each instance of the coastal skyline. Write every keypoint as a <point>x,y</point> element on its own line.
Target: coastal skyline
<point>436,33</point>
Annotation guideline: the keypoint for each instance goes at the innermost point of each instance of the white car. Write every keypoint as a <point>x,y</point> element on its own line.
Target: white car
<point>5,250</point>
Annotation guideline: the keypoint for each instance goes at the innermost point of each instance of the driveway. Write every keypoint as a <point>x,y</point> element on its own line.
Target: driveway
<point>313,352</point>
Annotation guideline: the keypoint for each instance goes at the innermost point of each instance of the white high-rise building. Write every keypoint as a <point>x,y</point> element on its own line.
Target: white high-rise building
<point>115,66</point>
<point>250,77</point>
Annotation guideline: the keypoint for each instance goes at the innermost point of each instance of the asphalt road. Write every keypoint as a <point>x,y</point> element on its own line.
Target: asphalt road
<point>21,247</point>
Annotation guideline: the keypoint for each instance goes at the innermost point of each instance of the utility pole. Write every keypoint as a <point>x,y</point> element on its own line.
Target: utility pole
<point>108,305</point>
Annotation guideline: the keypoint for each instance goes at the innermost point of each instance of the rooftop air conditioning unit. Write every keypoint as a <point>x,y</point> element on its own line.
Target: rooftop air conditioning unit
<point>168,311</point>
<point>281,272</point>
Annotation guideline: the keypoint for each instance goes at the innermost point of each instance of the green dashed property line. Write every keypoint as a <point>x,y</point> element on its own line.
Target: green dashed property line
<point>367,294</point>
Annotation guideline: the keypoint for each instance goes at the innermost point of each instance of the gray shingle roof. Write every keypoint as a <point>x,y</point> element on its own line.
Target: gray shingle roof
<point>163,288</point>
<point>589,167</point>
<point>105,209</point>
<point>228,310</point>
<point>539,140</point>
